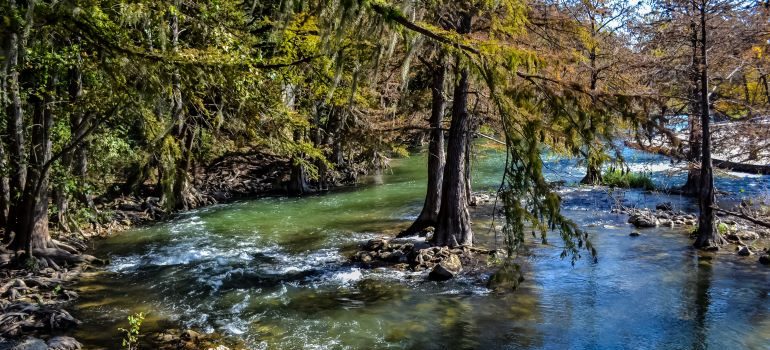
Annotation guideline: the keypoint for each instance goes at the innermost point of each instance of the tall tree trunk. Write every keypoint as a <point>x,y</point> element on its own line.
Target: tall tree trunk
<point>454,221</point>
<point>183,195</point>
<point>436,157</point>
<point>74,162</point>
<point>593,160</point>
<point>692,185</point>
<point>33,221</point>
<point>318,142</point>
<point>17,154</point>
<point>708,235</point>
<point>297,185</point>
<point>5,196</point>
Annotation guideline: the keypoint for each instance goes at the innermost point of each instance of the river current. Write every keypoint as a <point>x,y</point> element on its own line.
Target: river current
<point>273,273</point>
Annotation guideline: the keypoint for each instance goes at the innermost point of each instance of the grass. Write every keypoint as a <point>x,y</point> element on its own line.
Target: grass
<point>617,178</point>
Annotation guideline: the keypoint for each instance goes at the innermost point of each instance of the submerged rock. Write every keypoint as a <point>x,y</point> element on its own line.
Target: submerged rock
<point>744,251</point>
<point>191,336</point>
<point>506,279</point>
<point>743,236</point>
<point>764,259</point>
<point>30,344</point>
<point>448,268</point>
<point>64,343</point>
<point>376,244</point>
<point>635,234</point>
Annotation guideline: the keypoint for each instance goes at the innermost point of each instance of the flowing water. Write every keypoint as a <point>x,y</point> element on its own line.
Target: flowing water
<point>273,273</point>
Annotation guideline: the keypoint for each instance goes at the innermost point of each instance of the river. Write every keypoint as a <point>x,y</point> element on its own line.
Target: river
<point>273,273</point>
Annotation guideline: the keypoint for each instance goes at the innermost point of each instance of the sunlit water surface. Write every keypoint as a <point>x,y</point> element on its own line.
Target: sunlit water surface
<point>273,273</point>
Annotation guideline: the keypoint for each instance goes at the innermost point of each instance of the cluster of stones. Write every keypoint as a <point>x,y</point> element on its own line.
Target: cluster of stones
<point>663,215</point>
<point>443,262</point>
<point>31,343</point>
<point>187,340</point>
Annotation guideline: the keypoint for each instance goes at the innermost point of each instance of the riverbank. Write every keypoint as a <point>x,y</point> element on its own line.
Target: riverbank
<point>35,299</point>
<point>234,269</point>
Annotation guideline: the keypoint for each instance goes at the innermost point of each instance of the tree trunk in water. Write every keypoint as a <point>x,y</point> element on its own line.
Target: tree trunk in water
<point>454,221</point>
<point>708,236</point>
<point>436,158</point>
<point>593,175</point>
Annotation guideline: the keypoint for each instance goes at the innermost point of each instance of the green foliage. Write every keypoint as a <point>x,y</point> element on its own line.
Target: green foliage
<point>723,228</point>
<point>627,179</point>
<point>130,339</point>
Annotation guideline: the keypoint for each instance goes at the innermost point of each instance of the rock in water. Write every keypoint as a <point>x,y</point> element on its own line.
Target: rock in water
<point>743,236</point>
<point>376,244</point>
<point>643,220</point>
<point>507,278</point>
<point>765,259</point>
<point>744,251</point>
<point>448,268</point>
<point>190,336</point>
<point>30,344</point>
<point>64,343</point>
<point>634,234</point>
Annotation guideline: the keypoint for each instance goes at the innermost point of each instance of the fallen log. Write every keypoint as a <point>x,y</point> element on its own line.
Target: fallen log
<point>742,216</point>
<point>717,163</point>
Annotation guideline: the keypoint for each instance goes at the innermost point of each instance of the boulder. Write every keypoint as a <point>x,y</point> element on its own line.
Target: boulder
<point>376,244</point>
<point>30,344</point>
<point>448,268</point>
<point>764,259</point>
<point>643,220</point>
<point>744,251</point>
<point>634,234</point>
<point>743,236</point>
<point>191,336</point>
<point>64,343</point>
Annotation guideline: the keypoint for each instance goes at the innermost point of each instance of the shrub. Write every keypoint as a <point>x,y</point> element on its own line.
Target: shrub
<point>618,178</point>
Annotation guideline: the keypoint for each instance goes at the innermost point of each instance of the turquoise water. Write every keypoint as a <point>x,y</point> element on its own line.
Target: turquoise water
<point>273,274</point>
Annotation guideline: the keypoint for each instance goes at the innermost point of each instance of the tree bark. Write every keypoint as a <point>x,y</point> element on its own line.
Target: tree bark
<point>454,222</point>
<point>297,185</point>
<point>593,162</point>
<point>436,157</point>
<point>692,185</point>
<point>76,161</point>
<point>708,236</point>
<point>184,196</point>
<point>33,221</point>
<point>17,154</point>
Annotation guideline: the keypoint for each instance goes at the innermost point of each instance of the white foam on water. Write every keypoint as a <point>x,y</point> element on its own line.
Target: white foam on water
<point>652,167</point>
<point>348,277</point>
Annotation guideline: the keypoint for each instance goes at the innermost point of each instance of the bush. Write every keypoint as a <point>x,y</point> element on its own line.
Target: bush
<point>617,178</point>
